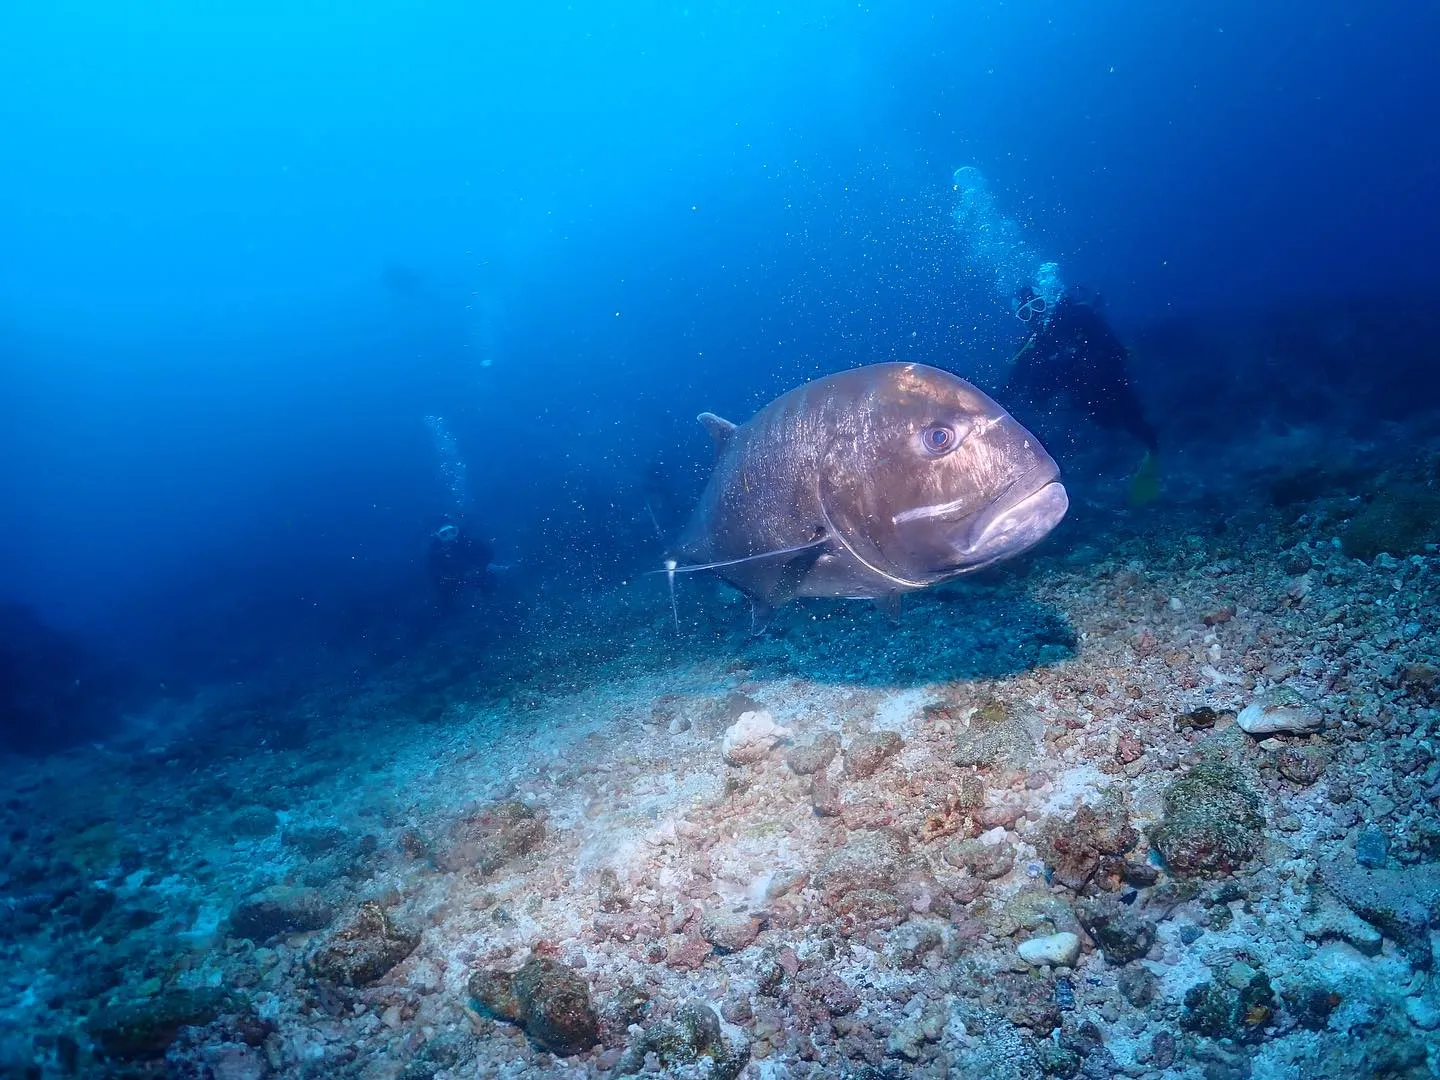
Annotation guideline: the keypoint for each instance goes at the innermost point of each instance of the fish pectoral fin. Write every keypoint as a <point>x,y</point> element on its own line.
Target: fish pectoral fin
<point>784,589</point>
<point>761,612</point>
<point>719,428</point>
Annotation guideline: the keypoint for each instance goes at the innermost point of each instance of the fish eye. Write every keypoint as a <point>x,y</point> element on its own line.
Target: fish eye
<point>938,438</point>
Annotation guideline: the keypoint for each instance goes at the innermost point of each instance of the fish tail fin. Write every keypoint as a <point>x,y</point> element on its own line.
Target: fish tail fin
<point>1145,484</point>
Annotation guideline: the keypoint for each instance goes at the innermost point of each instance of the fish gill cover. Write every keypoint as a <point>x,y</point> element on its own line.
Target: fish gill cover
<point>350,356</point>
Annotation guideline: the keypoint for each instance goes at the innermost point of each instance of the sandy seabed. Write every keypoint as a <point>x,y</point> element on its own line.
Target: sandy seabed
<point>1159,802</point>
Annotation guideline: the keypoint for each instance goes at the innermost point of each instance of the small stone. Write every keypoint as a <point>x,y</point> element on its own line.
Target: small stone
<point>985,861</point>
<point>1282,710</point>
<point>1197,719</point>
<point>694,1033</point>
<point>1162,1050</point>
<point>729,931</point>
<point>750,738</point>
<point>1128,750</point>
<point>1310,1005</point>
<point>314,841</point>
<point>969,792</point>
<point>1213,821</point>
<point>813,757</point>
<point>1057,950</point>
<point>1122,934</point>
<point>868,860</point>
<point>1221,1011</point>
<point>1138,985</point>
<point>364,949</point>
<point>1301,765</point>
<point>547,998</point>
<point>254,821</point>
<point>825,798</point>
<point>279,910</point>
<point>867,753</point>
<point>1239,974</point>
<point>1372,848</point>
<point>486,840</point>
<point>1423,1011</point>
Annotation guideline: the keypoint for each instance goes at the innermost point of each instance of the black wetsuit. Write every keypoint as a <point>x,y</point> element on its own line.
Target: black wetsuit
<point>1076,354</point>
<point>457,565</point>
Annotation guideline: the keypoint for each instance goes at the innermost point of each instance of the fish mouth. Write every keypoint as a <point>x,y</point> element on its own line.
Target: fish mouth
<point>1019,519</point>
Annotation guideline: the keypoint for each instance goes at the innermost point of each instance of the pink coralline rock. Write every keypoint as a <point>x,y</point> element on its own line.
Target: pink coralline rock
<point>750,738</point>
<point>364,949</point>
<point>867,753</point>
<point>688,953</point>
<point>729,931</point>
<point>868,860</point>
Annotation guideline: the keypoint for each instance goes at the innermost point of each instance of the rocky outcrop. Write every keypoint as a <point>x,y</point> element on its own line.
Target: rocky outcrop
<point>363,950</point>
<point>547,998</point>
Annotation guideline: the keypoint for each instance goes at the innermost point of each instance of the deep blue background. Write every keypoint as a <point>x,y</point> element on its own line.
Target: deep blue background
<point>246,247</point>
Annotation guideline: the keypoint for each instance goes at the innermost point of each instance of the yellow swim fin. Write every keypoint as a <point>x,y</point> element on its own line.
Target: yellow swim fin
<point>1145,484</point>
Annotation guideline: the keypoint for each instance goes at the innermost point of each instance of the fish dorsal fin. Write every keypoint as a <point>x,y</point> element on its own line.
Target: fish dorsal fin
<point>719,428</point>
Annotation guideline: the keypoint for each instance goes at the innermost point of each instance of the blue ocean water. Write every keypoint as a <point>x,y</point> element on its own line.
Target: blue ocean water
<point>248,249</point>
<point>285,287</point>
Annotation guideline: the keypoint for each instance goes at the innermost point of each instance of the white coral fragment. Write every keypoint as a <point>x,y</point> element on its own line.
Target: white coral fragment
<point>750,738</point>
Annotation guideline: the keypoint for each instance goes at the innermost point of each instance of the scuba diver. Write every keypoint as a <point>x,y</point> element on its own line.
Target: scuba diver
<point>1074,353</point>
<point>458,562</point>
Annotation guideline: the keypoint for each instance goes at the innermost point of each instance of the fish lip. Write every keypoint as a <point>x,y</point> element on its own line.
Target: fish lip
<point>1040,490</point>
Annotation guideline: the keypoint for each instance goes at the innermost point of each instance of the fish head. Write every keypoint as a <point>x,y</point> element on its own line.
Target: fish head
<point>930,478</point>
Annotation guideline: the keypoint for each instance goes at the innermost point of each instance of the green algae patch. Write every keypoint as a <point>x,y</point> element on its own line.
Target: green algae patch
<point>1214,821</point>
<point>1399,521</point>
<point>141,1030</point>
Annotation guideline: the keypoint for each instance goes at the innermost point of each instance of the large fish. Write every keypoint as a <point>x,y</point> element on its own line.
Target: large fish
<point>867,484</point>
